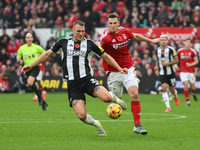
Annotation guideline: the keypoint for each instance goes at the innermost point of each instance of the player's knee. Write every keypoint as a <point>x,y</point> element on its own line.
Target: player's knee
<point>134,95</point>
<point>107,97</point>
<point>30,83</point>
<point>82,117</point>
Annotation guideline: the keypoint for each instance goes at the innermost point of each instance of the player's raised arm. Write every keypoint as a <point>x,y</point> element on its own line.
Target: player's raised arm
<point>40,59</point>
<point>140,37</point>
<point>113,63</point>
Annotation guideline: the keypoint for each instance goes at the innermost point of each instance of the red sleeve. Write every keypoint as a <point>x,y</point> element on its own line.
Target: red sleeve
<point>131,35</point>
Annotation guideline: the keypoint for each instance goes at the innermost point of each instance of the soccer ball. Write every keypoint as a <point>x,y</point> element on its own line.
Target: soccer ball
<point>114,111</point>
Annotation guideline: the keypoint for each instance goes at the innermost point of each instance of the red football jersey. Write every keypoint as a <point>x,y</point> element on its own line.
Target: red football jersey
<point>186,56</point>
<point>116,45</point>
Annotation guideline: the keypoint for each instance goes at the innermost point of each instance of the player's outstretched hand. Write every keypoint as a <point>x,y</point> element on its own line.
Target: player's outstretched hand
<point>26,69</point>
<point>157,40</point>
<point>124,71</point>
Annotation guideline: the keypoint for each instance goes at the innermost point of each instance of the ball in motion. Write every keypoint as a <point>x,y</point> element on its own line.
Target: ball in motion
<point>114,111</point>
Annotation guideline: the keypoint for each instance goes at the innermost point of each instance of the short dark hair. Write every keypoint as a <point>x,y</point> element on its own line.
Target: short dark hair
<point>112,15</point>
<point>188,39</point>
<point>81,23</point>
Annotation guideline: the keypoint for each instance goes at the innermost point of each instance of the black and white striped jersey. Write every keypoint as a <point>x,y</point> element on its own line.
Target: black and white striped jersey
<point>76,56</point>
<point>166,55</point>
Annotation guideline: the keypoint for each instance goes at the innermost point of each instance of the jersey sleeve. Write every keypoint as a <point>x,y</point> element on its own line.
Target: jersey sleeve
<point>41,50</point>
<point>131,35</point>
<point>174,53</point>
<point>19,53</point>
<point>97,48</point>
<point>57,45</point>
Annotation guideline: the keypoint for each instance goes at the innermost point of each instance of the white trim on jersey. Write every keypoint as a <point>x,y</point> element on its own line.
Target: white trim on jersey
<point>70,60</point>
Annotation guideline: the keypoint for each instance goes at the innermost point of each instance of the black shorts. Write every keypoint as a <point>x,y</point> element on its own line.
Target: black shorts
<point>33,72</point>
<point>169,79</point>
<point>77,88</point>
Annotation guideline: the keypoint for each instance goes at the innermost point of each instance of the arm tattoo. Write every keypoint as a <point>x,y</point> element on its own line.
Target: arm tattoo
<point>96,88</point>
<point>74,102</point>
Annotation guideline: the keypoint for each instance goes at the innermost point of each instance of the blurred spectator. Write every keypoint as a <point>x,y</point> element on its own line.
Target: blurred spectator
<point>41,9</point>
<point>71,19</point>
<point>110,6</point>
<point>95,17</point>
<point>51,14</point>
<point>125,23</point>
<point>185,4</point>
<point>170,18</point>
<point>17,21</point>
<point>197,45</point>
<point>50,41</point>
<point>99,5</point>
<point>186,22</point>
<point>34,20</point>
<point>59,22</point>
<point>137,61</point>
<point>61,11</point>
<point>3,56</point>
<point>188,12</point>
<point>88,22</point>
<point>127,16</point>
<point>134,23</point>
<point>162,16</point>
<point>141,21</point>
<point>8,13</point>
<point>175,4</point>
<point>135,12</point>
<point>67,6</point>
<point>144,11</point>
<point>150,19</point>
<point>85,5</point>
<point>26,15</point>
<point>195,22</point>
<point>196,11</point>
<point>4,39</point>
<point>2,70</point>
<point>12,49</point>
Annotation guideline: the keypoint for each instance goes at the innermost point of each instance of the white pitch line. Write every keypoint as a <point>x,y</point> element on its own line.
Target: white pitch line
<point>24,120</point>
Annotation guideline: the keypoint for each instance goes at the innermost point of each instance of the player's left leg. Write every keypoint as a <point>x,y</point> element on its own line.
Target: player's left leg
<point>80,110</point>
<point>192,80</point>
<point>174,93</point>
<point>193,90</point>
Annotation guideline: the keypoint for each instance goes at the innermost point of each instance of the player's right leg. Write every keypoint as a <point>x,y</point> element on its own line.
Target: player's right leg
<point>165,97</point>
<point>31,82</point>
<point>186,92</point>
<point>103,94</point>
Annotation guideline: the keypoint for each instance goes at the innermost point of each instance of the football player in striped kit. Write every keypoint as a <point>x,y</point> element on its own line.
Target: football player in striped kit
<point>76,54</point>
<point>166,59</point>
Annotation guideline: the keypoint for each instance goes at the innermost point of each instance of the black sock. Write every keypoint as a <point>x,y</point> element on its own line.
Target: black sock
<point>37,92</point>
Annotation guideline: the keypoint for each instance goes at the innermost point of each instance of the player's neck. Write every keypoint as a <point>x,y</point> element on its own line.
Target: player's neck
<point>163,47</point>
<point>29,44</point>
<point>186,48</point>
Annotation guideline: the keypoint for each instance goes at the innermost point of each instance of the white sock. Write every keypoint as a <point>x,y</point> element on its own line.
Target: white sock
<point>35,96</point>
<point>90,120</point>
<point>166,99</point>
<point>115,98</point>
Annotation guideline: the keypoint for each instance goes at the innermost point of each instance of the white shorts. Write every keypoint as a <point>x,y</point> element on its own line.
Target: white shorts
<point>188,77</point>
<point>117,81</point>
<point>40,76</point>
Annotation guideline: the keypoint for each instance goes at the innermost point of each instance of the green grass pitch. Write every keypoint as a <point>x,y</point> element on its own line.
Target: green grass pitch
<point>24,126</point>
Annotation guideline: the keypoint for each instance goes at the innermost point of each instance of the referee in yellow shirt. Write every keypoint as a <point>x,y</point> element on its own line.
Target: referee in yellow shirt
<point>29,52</point>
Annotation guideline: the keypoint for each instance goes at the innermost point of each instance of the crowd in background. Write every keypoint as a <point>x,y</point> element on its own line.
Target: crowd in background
<point>26,15</point>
